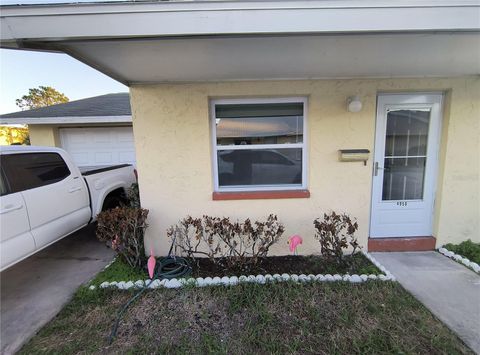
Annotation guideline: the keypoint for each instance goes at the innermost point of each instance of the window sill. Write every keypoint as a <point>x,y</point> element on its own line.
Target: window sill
<point>260,195</point>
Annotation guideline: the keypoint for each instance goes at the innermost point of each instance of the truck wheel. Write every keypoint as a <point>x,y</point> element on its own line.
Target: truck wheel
<point>111,202</point>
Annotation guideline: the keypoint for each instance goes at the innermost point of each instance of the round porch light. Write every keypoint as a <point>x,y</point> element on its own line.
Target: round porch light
<point>354,104</point>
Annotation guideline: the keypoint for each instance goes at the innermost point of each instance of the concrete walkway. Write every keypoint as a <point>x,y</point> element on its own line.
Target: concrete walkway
<point>448,289</point>
<point>36,289</point>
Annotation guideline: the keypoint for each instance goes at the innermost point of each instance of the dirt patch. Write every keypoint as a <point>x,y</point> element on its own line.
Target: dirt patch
<point>312,264</point>
<point>181,316</point>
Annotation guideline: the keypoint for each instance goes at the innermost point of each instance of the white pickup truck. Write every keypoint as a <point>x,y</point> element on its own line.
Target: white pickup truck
<point>44,197</point>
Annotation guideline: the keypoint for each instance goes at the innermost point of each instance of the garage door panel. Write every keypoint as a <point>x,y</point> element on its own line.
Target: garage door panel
<point>125,157</point>
<point>81,159</point>
<point>125,137</point>
<point>103,158</point>
<point>103,137</point>
<point>78,137</point>
<point>94,146</point>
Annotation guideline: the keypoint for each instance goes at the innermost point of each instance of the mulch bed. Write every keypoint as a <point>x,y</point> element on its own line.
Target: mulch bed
<point>290,264</point>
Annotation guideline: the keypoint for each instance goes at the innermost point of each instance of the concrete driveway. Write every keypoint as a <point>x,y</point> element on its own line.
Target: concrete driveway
<point>35,290</point>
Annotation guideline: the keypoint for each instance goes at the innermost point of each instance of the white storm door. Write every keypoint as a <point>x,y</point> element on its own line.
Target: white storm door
<point>405,165</point>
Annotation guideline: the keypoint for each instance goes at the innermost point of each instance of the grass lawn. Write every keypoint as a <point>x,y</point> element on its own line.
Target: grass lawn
<point>119,271</point>
<point>321,318</point>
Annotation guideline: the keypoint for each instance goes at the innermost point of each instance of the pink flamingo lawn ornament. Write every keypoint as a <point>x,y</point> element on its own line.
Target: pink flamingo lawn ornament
<point>294,241</point>
<point>151,264</point>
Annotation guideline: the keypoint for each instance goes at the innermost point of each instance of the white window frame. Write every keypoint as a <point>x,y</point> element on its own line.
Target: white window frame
<point>216,148</point>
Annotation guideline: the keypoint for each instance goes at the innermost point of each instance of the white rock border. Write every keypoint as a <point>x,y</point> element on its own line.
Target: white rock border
<point>104,268</point>
<point>260,279</point>
<point>460,259</point>
<point>110,263</point>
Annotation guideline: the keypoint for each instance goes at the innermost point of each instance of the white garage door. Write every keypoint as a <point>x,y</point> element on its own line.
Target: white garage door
<point>98,146</point>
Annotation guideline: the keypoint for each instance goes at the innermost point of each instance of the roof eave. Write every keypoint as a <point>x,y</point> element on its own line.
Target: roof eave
<point>60,23</point>
<point>66,120</point>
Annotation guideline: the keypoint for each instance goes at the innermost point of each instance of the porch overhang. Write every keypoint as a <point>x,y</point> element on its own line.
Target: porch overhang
<point>188,41</point>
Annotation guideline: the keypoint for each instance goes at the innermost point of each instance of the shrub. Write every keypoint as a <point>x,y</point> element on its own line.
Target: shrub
<point>467,249</point>
<point>335,232</point>
<point>230,245</point>
<point>123,229</point>
<point>133,196</point>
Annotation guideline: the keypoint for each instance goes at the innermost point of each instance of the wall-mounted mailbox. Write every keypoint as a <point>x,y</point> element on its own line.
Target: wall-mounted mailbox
<point>354,155</point>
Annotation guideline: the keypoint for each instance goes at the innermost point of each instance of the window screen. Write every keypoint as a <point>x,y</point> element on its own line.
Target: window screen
<point>31,170</point>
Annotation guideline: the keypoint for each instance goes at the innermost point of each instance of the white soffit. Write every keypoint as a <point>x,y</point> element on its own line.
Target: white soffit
<point>184,41</point>
<point>284,57</point>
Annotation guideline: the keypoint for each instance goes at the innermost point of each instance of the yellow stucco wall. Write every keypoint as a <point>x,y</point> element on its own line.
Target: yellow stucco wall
<point>457,216</point>
<point>174,160</point>
<point>44,135</point>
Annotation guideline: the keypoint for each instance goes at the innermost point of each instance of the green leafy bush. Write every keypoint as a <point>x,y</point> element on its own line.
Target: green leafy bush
<point>231,245</point>
<point>467,249</point>
<point>335,232</point>
<point>123,229</point>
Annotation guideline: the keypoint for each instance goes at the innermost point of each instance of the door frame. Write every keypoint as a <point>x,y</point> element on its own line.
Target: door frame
<point>410,98</point>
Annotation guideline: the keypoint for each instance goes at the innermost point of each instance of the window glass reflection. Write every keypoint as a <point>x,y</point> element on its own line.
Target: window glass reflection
<point>405,154</point>
<point>260,167</point>
<point>259,124</point>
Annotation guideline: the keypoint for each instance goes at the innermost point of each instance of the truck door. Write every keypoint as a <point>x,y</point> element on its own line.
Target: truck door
<point>57,199</point>
<point>16,240</point>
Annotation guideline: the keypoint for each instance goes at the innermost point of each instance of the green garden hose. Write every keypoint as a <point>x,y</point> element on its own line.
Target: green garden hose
<point>167,268</point>
<point>173,267</point>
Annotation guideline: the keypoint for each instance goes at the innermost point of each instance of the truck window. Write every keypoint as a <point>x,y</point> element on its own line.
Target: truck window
<point>30,170</point>
<point>3,186</point>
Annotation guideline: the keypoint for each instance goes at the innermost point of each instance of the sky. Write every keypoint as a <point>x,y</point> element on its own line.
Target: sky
<point>21,70</point>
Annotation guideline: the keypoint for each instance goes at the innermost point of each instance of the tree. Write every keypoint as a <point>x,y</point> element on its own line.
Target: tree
<point>14,135</point>
<point>41,97</point>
